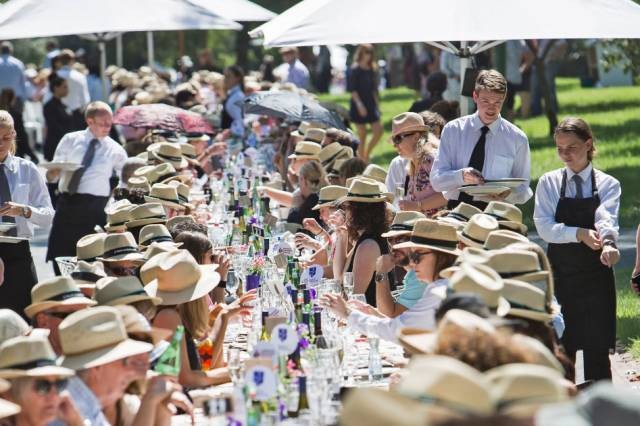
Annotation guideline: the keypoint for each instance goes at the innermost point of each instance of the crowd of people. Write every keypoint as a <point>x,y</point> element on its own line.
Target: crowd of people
<point>491,324</point>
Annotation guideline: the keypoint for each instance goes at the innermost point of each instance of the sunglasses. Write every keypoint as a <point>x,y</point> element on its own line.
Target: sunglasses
<point>397,139</point>
<point>43,387</point>
<point>416,257</point>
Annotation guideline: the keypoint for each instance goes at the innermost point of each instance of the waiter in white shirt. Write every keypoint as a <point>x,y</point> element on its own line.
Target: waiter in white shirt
<point>482,146</point>
<point>24,202</point>
<point>84,192</point>
<point>576,212</point>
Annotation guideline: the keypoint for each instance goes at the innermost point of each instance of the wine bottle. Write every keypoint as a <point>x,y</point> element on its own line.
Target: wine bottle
<point>320,341</point>
<point>303,400</point>
<point>169,361</point>
<point>264,334</point>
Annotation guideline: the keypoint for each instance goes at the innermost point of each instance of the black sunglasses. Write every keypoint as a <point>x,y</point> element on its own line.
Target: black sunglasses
<point>397,139</point>
<point>43,387</point>
<point>416,257</point>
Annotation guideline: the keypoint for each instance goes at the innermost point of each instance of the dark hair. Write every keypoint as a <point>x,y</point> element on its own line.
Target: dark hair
<point>443,261</point>
<point>367,218</point>
<point>434,121</point>
<point>7,97</point>
<point>187,226</point>
<point>352,167</point>
<point>195,243</point>
<point>238,72</point>
<point>6,48</point>
<point>135,196</point>
<point>580,129</point>
<point>465,301</point>
<point>185,98</point>
<point>447,109</point>
<point>55,81</point>
<point>340,136</point>
<point>436,84</point>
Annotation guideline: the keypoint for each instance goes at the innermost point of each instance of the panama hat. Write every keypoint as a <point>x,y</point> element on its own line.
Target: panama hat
<point>476,231</point>
<point>164,194</point>
<point>334,169</point>
<point>111,291</point>
<point>121,246</point>
<point>169,153</point>
<point>155,233</point>
<point>12,325</point>
<point>153,250</point>
<point>7,409</point>
<point>306,150</point>
<point>304,127</point>
<point>90,247</point>
<point>407,122</point>
<point>57,291</point>
<point>526,300</point>
<point>118,217</point>
<point>146,214</point>
<point>314,135</point>
<point>183,193</point>
<point>520,265</point>
<point>179,278</point>
<point>329,153</point>
<point>363,191</point>
<point>483,281</point>
<point>469,255</point>
<point>542,354</point>
<point>375,172</point>
<point>461,214</point>
<point>135,323</point>
<point>29,356</point>
<point>188,151</point>
<point>433,235</point>
<point>94,337</point>
<point>159,173</point>
<point>196,137</point>
<point>521,389</point>
<point>381,186</point>
<point>86,274</point>
<point>403,223</point>
<point>502,238</point>
<point>328,195</point>
<point>139,182</point>
<point>508,216</point>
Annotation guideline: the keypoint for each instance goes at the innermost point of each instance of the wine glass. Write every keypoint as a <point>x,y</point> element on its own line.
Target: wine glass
<point>232,282</point>
<point>347,283</point>
<point>358,297</point>
<point>234,365</point>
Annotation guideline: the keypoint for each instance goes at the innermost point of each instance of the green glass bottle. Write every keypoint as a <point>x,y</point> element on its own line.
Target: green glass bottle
<point>169,361</point>
<point>264,333</point>
<point>303,400</point>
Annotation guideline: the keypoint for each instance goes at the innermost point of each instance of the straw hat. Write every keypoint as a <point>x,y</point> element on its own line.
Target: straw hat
<point>334,170</point>
<point>381,186</point>
<point>111,291</point>
<point>467,255</point>
<point>156,233</point>
<point>526,300</point>
<point>314,135</point>
<point>179,219</point>
<point>433,235</point>
<point>483,281</point>
<point>461,214</point>
<point>502,238</point>
<point>521,389</point>
<point>304,127</point>
<point>118,217</point>
<point>308,150</point>
<point>329,153</point>
<point>535,347</point>
<point>476,231</point>
<point>188,151</point>
<point>146,214</point>
<point>179,278</point>
<point>136,323</point>
<point>90,247</point>
<point>183,193</point>
<point>158,173</point>
<point>403,223</point>
<point>94,337</point>
<point>85,274</point>
<point>328,195</point>
<point>12,325</point>
<point>364,191</point>
<point>375,172</point>
<point>153,250</point>
<point>196,137</point>
<point>29,356</point>
<point>508,216</point>
<point>57,291</point>
<point>164,194</point>
<point>7,409</point>
<point>121,246</point>
<point>139,182</point>
<point>168,152</point>
<point>407,122</point>
<point>520,265</point>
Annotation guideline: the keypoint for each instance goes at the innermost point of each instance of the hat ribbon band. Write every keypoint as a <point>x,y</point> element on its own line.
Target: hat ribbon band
<point>517,274</point>
<point>497,216</point>
<point>183,198</point>
<point>464,234</point>
<point>168,157</point>
<point>161,216</point>
<point>158,239</point>
<point>351,194</point>
<point>64,296</point>
<point>171,200</point>
<point>166,176</point>
<point>119,251</point>
<point>89,259</point>
<point>302,153</point>
<point>85,276</point>
<point>431,400</point>
<point>458,216</point>
<point>525,307</point>
<point>401,227</point>
<point>434,242</point>
<point>330,159</point>
<point>326,201</point>
<point>117,223</point>
<point>44,362</point>
<point>136,293</point>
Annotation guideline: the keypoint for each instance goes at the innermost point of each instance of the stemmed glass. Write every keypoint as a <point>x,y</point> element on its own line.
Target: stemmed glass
<point>234,365</point>
<point>347,283</point>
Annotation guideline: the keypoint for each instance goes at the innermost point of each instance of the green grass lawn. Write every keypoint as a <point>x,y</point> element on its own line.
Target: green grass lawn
<point>628,325</point>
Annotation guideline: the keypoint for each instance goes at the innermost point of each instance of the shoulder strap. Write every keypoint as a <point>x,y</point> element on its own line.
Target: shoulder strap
<point>594,187</point>
<point>563,185</point>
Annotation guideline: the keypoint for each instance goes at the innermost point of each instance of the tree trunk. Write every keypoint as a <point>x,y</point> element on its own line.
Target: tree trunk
<point>542,82</point>
<point>242,47</point>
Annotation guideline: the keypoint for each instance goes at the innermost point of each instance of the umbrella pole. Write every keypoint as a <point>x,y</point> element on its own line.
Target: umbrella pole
<point>464,64</point>
<point>150,52</point>
<point>119,60</point>
<point>103,67</point>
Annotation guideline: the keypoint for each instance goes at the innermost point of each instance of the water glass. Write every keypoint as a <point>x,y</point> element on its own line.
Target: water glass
<point>347,283</point>
<point>359,297</point>
<point>234,365</point>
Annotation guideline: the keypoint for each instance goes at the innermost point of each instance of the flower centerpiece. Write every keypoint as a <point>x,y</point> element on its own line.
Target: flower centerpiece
<point>254,272</point>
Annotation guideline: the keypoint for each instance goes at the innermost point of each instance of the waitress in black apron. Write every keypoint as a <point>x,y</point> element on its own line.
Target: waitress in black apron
<point>24,202</point>
<point>232,107</point>
<point>576,212</point>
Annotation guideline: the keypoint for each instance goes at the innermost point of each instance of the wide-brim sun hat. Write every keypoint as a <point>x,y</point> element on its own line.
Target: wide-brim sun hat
<point>29,356</point>
<point>484,282</point>
<point>476,231</point>
<point>328,196</point>
<point>136,323</point>
<point>407,122</point>
<point>168,152</point>
<point>432,235</point>
<point>165,194</point>
<point>363,191</point>
<point>119,247</point>
<point>306,150</point>
<point>526,300</point>
<point>112,291</point>
<point>54,292</point>
<point>502,238</point>
<point>403,224</point>
<point>146,214</point>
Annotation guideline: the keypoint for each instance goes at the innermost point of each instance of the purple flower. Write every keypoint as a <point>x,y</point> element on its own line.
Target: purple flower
<point>312,293</point>
<point>304,343</point>
<point>303,329</point>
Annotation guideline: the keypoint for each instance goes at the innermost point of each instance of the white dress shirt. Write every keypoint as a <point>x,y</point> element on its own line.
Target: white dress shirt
<point>109,156</point>
<point>28,188</point>
<point>548,195</point>
<point>506,156</point>
<point>397,173</point>
<point>421,315</point>
<point>78,96</point>
<point>86,402</point>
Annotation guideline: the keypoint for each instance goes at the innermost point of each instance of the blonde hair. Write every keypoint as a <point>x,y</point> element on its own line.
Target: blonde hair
<point>195,317</point>
<point>427,147</point>
<point>6,122</point>
<point>360,51</point>
<point>97,108</point>
<point>492,81</point>
<point>314,174</point>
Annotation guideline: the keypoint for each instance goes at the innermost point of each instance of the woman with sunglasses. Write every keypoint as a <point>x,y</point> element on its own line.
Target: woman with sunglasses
<point>433,248</point>
<point>37,383</point>
<point>414,143</point>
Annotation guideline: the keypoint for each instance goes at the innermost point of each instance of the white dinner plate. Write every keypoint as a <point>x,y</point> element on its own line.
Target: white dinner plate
<point>11,240</point>
<point>479,190</point>
<point>4,227</point>
<point>509,182</point>
<point>64,166</point>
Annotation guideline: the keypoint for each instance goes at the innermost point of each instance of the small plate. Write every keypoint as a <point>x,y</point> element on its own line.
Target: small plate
<point>479,190</point>
<point>4,227</point>
<point>509,182</point>
<point>64,166</point>
<point>12,240</point>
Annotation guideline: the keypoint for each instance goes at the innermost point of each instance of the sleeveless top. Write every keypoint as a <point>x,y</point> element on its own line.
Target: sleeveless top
<point>192,351</point>
<point>370,293</point>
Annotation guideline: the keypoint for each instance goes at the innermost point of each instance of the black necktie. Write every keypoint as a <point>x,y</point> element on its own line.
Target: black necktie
<point>5,196</point>
<point>477,156</point>
<point>74,182</point>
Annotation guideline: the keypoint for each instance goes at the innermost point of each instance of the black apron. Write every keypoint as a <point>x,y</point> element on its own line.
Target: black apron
<point>584,287</point>
<point>19,276</point>
<point>76,216</point>
<point>225,118</point>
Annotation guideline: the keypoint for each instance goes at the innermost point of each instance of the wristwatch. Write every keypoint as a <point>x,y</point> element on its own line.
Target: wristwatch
<point>381,276</point>
<point>26,212</point>
<point>610,243</point>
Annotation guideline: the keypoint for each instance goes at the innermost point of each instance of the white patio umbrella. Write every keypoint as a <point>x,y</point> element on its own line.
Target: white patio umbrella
<point>487,23</point>
<point>102,20</point>
<point>237,10</point>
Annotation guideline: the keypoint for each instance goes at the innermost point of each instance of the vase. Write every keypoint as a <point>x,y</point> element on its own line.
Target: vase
<point>253,282</point>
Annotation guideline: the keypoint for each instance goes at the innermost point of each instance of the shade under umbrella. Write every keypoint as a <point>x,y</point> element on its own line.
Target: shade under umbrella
<point>161,116</point>
<point>290,105</point>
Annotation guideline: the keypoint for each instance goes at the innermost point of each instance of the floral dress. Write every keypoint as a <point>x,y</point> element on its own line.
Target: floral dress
<point>419,185</point>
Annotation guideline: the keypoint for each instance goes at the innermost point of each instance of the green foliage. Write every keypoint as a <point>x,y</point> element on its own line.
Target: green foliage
<point>628,326</point>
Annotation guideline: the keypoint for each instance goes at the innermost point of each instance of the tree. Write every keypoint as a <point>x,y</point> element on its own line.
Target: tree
<point>539,58</point>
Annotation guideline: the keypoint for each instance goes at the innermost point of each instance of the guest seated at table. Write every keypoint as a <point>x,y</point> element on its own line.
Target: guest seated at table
<point>351,168</point>
<point>311,179</point>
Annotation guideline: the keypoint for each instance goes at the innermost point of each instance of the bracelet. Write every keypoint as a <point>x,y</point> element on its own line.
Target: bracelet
<point>222,284</point>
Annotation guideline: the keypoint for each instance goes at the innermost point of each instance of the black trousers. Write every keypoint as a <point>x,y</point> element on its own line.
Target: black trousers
<point>19,276</point>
